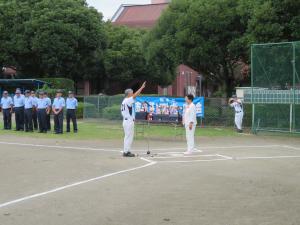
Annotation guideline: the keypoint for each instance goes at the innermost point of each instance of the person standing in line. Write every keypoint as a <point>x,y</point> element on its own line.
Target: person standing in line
<point>48,118</point>
<point>128,119</point>
<point>28,111</point>
<point>6,105</point>
<point>58,110</point>
<point>189,121</point>
<point>19,110</point>
<point>71,105</point>
<point>42,107</point>
<point>34,111</point>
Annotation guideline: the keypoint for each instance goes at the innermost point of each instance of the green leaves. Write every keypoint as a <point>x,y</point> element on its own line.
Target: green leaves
<point>214,36</point>
<point>124,60</point>
<point>51,37</point>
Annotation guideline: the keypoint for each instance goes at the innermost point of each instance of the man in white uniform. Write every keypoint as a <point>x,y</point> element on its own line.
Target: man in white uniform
<point>189,120</point>
<point>239,113</point>
<point>128,119</point>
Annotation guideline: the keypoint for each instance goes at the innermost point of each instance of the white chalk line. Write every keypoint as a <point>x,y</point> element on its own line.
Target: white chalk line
<point>5,204</point>
<point>224,156</point>
<point>231,158</point>
<point>60,147</point>
<point>192,161</point>
<point>290,147</point>
<point>182,156</point>
<point>148,160</point>
<point>267,157</point>
<point>240,146</point>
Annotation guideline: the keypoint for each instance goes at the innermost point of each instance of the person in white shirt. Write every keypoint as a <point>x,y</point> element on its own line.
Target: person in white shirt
<point>237,104</point>
<point>6,105</point>
<point>128,119</point>
<point>189,121</point>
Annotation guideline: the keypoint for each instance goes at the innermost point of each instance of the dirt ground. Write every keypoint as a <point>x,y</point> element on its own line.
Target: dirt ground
<point>246,180</point>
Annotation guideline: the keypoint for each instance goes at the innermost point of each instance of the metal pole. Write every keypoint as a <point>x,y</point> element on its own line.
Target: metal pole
<point>291,118</point>
<point>252,82</point>
<point>294,86</point>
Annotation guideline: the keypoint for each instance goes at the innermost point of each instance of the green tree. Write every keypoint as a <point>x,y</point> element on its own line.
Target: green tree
<point>274,21</point>
<point>51,38</point>
<point>205,35</point>
<point>124,61</point>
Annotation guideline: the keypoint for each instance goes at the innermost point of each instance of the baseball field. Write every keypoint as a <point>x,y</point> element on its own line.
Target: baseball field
<point>83,179</point>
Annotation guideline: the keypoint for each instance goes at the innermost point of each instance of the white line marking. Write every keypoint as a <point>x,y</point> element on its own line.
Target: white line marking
<point>183,156</point>
<point>72,185</point>
<point>233,158</point>
<point>192,161</point>
<point>60,147</point>
<point>224,156</point>
<point>241,146</point>
<point>290,147</point>
<point>267,157</point>
<point>147,160</point>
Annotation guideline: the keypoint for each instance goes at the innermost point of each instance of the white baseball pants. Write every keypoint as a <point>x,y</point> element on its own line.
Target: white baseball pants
<point>128,126</point>
<point>190,137</point>
<point>239,120</point>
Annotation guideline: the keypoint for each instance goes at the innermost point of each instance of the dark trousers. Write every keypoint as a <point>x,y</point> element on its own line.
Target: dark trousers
<point>34,119</point>
<point>28,120</point>
<point>7,118</point>
<point>19,117</point>
<point>58,122</point>
<point>48,119</point>
<point>41,115</point>
<point>71,115</point>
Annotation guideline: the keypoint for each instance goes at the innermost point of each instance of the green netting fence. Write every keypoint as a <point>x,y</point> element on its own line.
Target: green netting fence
<point>275,89</point>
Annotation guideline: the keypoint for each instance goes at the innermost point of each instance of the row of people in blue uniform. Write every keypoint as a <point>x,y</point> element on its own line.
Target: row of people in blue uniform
<point>33,112</point>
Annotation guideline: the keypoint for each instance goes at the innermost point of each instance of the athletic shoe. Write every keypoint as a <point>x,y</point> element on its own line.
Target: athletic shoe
<point>128,154</point>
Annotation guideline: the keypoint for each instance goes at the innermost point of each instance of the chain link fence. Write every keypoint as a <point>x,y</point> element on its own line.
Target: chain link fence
<point>275,92</point>
<point>217,112</point>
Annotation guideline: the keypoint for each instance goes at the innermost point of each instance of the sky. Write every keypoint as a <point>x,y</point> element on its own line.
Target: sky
<point>109,7</point>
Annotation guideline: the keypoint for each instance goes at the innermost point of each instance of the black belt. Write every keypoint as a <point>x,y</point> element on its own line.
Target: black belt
<point>70,109</point>
<point>128,119</point>
<point>27,108</point>
<point>238,112</point>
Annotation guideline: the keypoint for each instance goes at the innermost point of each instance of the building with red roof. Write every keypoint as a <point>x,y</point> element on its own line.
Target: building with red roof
<point>139,16</point>
<point>145,17</point>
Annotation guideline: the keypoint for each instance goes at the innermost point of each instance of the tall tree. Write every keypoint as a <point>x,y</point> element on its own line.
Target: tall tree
<point>124,60</point>
<point>51,37</point>
<point>202,34</point>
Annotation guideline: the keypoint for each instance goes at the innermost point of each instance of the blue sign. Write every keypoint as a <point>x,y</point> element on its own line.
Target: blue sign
<point>167,105</point>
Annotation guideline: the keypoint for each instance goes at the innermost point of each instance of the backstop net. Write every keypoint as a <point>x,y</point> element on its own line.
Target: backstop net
<point>275,89</point>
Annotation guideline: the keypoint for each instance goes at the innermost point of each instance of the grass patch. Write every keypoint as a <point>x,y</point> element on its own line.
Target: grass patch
<point>99,130</point>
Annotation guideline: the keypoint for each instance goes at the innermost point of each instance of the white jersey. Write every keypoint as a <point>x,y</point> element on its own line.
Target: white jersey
<point>238,107</point>
<point>127,109</point>
<point>190,115</point>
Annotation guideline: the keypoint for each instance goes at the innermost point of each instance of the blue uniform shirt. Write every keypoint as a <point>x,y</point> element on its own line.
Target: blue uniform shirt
<point>19,101</point>
<point>42,103</point>
<point>59,103</point>
<point>72,103</point>
<point>34,101</point>
<point>28,102</point>
<point>6,103</point>
<point>48,101</point>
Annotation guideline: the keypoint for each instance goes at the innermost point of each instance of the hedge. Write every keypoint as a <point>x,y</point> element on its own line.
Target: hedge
<point>82,107</point>
<point>112,112</point>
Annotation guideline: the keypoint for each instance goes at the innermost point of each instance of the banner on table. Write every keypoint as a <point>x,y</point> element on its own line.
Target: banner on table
<point>166,105</point>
